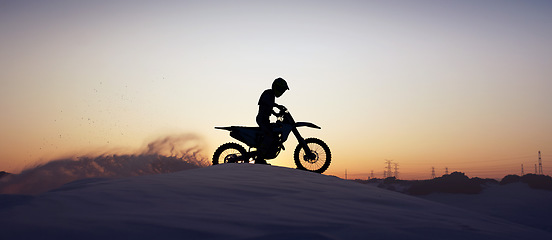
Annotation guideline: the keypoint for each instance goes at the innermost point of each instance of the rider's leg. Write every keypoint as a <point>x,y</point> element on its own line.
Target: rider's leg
<point>265,143</point>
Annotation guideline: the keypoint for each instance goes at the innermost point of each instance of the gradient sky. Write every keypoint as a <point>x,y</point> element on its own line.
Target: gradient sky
<point>459,84</point>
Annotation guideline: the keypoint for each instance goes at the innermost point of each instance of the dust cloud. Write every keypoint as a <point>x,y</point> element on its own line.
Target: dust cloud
<point>167,154</point>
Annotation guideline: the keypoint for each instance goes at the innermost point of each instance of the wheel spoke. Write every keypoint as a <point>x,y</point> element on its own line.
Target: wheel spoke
<point>226,153</point>
<point>321,157</point>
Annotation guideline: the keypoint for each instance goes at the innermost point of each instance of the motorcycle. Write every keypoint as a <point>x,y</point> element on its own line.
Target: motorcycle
<point>311,154</point>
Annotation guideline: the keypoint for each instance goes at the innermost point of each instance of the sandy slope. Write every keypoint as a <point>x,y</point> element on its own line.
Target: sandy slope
<point>515,202</point>
<point>241,201</point>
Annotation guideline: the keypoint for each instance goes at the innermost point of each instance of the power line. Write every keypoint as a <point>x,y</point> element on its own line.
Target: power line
<point>484,161</point>
<point>480,170</point>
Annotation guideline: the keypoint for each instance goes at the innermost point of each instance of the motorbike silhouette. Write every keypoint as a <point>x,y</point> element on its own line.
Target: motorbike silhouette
<point>311,154</point>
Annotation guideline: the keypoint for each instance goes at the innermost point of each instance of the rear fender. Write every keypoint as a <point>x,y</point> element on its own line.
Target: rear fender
<point>247,135</point>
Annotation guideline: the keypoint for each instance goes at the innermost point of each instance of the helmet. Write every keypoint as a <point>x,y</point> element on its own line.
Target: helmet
<point>279,86</point>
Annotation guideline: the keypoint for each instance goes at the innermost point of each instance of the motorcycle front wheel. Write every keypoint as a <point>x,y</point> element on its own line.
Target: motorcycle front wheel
<point>320,159</point>
<point>228,153</point>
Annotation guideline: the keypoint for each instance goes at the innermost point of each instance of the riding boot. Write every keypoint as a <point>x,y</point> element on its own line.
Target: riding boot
<point>262,151</point>
<point>260,157</point>
<point>261,161</point>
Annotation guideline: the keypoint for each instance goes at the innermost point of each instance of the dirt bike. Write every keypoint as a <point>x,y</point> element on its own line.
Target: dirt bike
<point>311,154</point>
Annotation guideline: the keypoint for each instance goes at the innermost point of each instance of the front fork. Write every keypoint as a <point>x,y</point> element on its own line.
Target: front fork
<point>308,153</point>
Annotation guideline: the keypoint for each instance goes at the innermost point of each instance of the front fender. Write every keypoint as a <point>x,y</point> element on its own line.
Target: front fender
<point>306,124</point>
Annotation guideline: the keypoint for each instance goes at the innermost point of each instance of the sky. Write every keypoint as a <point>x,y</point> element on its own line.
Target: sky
<point>463,85</point>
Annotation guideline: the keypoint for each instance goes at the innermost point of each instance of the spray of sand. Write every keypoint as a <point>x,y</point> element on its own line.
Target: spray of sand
<point>164,155</point>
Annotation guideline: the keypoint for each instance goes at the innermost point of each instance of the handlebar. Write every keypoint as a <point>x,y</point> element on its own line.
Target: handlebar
<point>282,111</point>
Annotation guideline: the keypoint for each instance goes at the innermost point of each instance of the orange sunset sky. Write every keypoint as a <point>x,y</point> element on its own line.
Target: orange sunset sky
<point>464,85</point>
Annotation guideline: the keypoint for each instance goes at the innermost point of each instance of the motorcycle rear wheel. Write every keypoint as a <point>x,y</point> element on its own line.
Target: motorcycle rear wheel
<point>228,153</point>
<point>321,153</point>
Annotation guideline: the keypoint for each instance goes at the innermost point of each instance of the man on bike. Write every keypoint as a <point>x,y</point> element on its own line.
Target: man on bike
<point>266,108</point>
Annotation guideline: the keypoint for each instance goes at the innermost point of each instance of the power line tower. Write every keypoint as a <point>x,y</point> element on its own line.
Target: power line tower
<point>446,171</point>
<point>540,164</point>
<point>522,173</point>
<point>432,172</point>
<point>372,174</point>
<point>389,171</point>
<point>396,170</point>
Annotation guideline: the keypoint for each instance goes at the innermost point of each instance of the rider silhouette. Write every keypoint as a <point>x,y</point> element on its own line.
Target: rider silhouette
<point>266,108</point>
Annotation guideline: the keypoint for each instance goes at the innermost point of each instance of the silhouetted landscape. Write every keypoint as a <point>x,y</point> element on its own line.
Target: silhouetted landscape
<point>520,199</point>
<point>456,182</point>
<point>248,201</point>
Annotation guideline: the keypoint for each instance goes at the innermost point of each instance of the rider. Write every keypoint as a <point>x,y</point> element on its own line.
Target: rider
<point>266,108</point>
